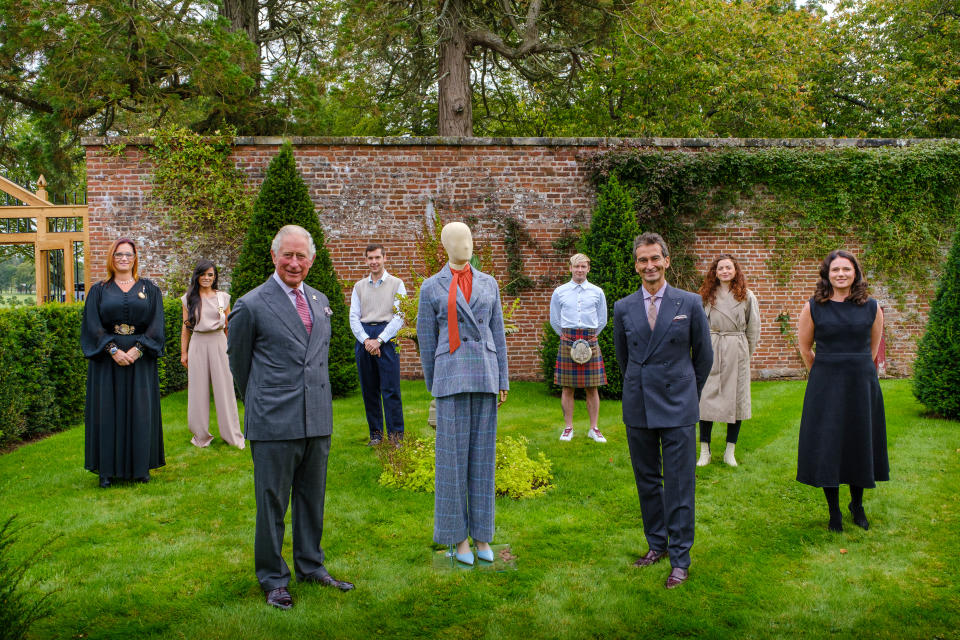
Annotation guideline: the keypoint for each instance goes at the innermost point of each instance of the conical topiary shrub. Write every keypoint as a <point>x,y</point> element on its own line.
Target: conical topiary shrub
<point>284,200</point>
<point>936,371</point>
<point>608,244</point>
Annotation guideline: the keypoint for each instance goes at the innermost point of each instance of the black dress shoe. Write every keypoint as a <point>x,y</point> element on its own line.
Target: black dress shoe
<point>280,598</point>
<point>104,482</point>
<point>677,577</point>
<point>650,557</point>
<point>859,517</point>
<point>330,581</point>
<point>142,479</point>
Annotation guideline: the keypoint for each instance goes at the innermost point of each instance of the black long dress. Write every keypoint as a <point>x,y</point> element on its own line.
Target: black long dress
<point>124,436</point>
<point>843,432</point>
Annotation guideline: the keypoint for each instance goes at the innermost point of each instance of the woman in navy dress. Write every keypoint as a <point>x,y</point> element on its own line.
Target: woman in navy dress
<point>843,435</point>
<point>122,337</point>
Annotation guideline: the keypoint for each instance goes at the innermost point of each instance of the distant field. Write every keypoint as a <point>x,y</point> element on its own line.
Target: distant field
<point>17,299</point>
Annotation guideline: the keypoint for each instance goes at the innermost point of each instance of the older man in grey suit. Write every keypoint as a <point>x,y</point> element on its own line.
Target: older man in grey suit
<point>662,340</point>
<point>278,343</point>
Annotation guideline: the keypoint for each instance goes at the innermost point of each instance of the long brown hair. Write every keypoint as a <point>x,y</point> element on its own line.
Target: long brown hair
<point>708,290</point>
<point>858,290</point>
<point>112,265</point>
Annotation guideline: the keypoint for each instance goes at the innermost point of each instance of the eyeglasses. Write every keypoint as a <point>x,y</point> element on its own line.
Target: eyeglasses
<point>122,255</point>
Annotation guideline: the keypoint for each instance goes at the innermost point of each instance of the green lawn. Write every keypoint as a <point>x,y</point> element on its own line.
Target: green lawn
<point>174,558</point>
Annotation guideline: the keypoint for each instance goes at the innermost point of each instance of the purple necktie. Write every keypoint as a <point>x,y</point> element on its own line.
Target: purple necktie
<point>303,311</point>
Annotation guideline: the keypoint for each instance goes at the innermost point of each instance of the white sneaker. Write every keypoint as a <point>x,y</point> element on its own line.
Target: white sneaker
<point>567,434</point>
<point>595,434</point>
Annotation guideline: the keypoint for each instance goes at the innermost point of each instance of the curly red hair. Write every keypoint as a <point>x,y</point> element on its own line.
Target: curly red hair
<point>708,290</point>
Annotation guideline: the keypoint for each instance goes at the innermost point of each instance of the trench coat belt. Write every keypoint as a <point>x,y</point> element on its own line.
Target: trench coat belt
<point>718,353</point>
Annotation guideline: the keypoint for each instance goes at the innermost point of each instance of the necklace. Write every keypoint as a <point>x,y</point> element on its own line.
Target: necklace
<point>124,281</point>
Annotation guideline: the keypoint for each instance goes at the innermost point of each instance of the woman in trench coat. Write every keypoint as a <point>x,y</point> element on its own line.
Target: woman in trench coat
<point>734,328</point>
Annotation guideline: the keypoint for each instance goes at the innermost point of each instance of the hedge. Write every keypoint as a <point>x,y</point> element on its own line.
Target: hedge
<point>43,372</point>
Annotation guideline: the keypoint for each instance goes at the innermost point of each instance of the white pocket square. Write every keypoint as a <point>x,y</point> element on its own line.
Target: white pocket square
<point>680,317</point>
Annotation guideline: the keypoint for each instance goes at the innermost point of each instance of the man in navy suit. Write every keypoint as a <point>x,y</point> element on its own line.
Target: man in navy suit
<point>662,340</point>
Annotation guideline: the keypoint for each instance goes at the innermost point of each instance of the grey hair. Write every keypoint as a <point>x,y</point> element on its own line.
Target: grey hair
<point>287,230</point>
<point>648,238</point>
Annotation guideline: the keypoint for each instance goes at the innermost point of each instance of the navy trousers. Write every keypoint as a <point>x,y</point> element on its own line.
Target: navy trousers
<point>380,382</point>
<point>665,485</point>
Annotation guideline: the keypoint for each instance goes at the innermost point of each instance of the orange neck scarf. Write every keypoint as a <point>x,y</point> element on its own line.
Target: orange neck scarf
<point>463,279</point>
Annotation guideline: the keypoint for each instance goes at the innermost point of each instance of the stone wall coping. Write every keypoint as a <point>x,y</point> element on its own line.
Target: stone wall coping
<point>670,143</point>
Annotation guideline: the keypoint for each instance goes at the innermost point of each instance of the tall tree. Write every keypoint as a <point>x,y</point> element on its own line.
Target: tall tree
<point>541,40</point>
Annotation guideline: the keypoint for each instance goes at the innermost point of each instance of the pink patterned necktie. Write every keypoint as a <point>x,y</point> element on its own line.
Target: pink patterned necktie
<point>303,311</point>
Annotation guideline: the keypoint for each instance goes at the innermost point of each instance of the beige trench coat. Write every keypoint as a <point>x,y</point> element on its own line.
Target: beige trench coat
<point>734,329</point>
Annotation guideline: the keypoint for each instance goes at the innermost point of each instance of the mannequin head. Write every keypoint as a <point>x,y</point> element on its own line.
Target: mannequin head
<point>458,242</point>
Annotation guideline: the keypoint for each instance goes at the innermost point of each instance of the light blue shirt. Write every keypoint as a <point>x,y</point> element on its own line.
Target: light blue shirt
<point>578,306</point>
<point>291,296</point>
<point>396,322</point>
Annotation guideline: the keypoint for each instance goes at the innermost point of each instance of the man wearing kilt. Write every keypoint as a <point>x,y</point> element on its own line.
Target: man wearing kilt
<point>578,313</point>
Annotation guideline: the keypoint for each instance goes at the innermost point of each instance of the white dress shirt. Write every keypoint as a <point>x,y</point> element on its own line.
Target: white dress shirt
<point>578,306</point>
<point>396,322</point>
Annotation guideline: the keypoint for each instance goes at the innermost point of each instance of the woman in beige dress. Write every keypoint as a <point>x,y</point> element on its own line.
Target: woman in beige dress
<point>203,351</point>
<point>734,328</point>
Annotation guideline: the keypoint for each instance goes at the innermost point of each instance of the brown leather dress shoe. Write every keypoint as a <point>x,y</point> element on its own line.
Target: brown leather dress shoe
<point>280,598</point>
<point>677,577</point>
<point>330,581</point>
<point>651,557</point>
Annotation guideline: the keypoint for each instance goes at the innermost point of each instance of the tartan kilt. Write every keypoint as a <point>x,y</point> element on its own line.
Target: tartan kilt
<point>570,374</point>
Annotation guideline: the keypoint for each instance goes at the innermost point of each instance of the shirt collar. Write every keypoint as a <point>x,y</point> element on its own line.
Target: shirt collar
<point>287,289</point>
<point>659,294</point>
<point>382,278</point>
<point>574,283</point>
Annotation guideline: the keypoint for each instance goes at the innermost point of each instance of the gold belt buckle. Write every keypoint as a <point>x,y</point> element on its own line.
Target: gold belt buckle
<point>124,329</point>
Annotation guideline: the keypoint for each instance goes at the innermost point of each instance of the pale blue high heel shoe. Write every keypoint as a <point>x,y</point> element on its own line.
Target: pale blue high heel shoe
<point>485,554</point>
<point>465,558</point>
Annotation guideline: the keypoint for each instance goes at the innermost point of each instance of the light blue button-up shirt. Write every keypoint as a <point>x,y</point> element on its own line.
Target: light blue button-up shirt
<point>578,306</point>
<point>396,322</point>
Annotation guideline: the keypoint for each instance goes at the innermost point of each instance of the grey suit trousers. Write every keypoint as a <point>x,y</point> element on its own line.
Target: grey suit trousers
<point>666,490</point>
<point>465,464</point>
<point>282,467</point>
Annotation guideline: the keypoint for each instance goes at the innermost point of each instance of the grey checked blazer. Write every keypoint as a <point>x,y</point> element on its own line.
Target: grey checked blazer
<point>480,363</point>
<point>281,371</point>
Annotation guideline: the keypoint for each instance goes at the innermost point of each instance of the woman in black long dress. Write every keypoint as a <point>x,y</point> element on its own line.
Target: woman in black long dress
<point>122,337</point>
<point>843,434</point>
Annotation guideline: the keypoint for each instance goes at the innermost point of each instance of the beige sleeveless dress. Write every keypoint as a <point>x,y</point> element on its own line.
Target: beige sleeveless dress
<point>207,366</point>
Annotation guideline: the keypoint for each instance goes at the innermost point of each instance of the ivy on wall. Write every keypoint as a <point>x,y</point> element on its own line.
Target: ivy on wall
<point>901,204</point>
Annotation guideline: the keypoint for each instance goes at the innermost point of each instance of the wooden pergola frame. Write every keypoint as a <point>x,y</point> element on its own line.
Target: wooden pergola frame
<point>36,205</point>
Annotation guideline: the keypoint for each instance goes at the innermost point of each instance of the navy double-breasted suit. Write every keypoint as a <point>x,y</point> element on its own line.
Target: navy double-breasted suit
<point>664,370</point>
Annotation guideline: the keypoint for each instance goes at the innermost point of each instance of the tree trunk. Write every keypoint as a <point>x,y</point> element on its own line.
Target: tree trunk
<point>242,15</point>
<point>455,112</point>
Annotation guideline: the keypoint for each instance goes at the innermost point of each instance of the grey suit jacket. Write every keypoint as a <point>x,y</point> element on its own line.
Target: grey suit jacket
<point>281,371</point>
<point>480,363</point>
<point>664,370</point>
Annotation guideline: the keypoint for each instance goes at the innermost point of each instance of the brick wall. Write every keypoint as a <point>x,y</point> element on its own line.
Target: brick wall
<point>384,189</point>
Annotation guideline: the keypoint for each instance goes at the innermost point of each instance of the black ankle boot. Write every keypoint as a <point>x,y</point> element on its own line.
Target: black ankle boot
<point>859,517</point>
<point>836,522</point>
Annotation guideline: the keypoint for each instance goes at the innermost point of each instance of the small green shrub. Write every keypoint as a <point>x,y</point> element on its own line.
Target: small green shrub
<point>411,467</point>
<point>936,372</point>
<point>20,607</point>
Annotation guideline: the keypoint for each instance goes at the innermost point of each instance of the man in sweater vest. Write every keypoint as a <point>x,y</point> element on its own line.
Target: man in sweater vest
<point>375,320</point>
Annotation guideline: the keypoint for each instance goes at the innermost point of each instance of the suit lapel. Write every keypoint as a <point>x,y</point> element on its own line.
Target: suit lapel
<point>669,305</point>
<point>280,304</point>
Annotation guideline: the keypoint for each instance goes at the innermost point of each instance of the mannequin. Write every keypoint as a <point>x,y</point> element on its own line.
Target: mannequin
<point>464,360</point>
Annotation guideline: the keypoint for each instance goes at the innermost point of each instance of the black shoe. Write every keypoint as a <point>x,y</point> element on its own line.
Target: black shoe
<point>142,479</point>
<point>104,482</point>
<point>329,581</point>
<point>836,523</point>
<point>859,517</point>
<point>375,439</point>
<point>280,598</point>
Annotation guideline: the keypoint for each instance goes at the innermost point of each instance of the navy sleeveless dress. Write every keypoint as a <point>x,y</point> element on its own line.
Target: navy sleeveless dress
<point>843,432</point>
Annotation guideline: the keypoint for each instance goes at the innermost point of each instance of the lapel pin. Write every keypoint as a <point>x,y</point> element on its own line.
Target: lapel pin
<point>328,311</point>
<point>314,296</point>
